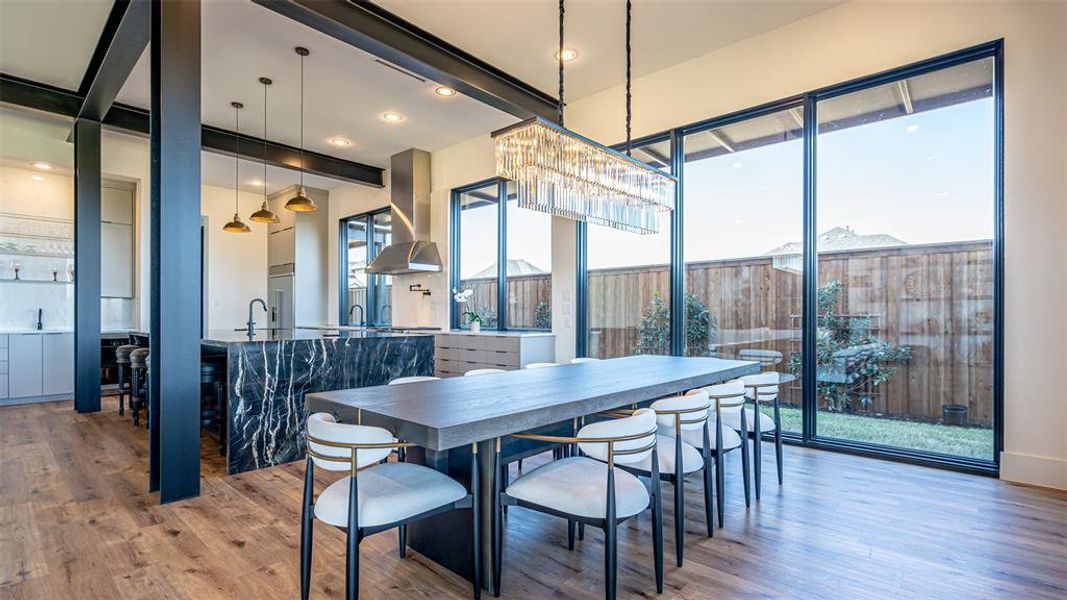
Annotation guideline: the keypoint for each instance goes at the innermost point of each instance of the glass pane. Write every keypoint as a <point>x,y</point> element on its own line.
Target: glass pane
<point>383,284</point>
<point>744,226</point>
<point>905,220</point>
<point>357,276</point>
<point>529,267</point>
<point>478,223</point>
<point>629,289</point>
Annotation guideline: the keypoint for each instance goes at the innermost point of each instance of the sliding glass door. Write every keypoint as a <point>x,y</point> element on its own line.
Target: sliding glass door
<point>743,245</point>
<point>905,209</point>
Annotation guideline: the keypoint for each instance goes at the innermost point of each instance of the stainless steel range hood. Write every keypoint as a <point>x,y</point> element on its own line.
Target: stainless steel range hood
<point>411,250</point>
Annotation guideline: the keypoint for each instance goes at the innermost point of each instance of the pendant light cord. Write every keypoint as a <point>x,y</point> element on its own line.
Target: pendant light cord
<point>301,121</point>
<point>236,158</point>
<point>265,142</point>
<point>559,106</point>
<point>629,110</point>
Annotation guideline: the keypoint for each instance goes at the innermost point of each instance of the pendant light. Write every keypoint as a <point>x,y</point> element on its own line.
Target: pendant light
<point>301,202</point>
<point>264,214</point>
<point>236,225</point>
<point>559,172</point>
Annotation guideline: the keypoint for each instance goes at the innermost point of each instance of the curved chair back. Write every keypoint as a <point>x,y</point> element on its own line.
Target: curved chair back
<point>541,365</point>
<point>477,372</point>
<point>767,358</point>
<point>768,385</point>
<point>725,395</point>
<point>686,412</point>
<point>412,379</point>
<point>625,441</point>
<point>583,359</point>
<point>330,443</point>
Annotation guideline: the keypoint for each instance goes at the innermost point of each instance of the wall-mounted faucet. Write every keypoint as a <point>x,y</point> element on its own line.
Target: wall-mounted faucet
<point>384,311</point>
<point>40,323</point>
<point>361,315</point>
<point>251,321</point>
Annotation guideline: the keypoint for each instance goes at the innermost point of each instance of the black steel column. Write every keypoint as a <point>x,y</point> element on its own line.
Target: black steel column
<point>174,448</point>
<point>86,265</point>
<point>502,255</point>
<point>810,282</point>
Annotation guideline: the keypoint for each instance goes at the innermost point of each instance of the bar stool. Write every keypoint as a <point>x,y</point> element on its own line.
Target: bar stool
<point>139,383</point>
<point>213,411</point>
<point>122,364</point>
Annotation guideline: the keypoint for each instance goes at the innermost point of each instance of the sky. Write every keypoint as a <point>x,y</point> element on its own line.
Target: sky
<point>922,178</point>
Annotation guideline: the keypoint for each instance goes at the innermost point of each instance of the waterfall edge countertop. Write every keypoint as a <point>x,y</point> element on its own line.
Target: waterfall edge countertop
<point>268,375</point>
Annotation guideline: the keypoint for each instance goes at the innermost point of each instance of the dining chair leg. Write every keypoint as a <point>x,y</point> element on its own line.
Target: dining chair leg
<point>709,495</point>
<point>744,459</point>
<point>352,544</point>
<point>778,438</point>
<point>657,522</point>
<point>307,524</point>
<point>720,488</point>
<point>757,448</point>
<point>679,518</point>
<point>476,526</point>
<point>610,546</point>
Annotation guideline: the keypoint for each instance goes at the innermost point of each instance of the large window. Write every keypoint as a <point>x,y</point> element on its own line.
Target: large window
<point>519,263</point>
<point>628,296</point>
<point>848,236</point>
<point>744,227</point>
<point>365,297</point>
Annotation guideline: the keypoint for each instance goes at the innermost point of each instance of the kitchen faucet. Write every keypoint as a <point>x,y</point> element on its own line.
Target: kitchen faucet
<point>251,321</point>
<point>361,315</point>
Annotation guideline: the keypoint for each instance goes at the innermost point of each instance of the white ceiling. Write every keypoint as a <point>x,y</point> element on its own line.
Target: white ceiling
<point>50,41</point>
<point>347,91</point>
<point>521,36</point>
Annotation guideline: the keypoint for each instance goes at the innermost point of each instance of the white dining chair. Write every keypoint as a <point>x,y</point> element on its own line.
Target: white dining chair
<point>583,359</point>
<point>373,496</point>
<point>412,379</point>
<point>762,388</point>
<point>541,365</point>
<point>722,398</point>
<point>477,372</point>
<point>590,489</point>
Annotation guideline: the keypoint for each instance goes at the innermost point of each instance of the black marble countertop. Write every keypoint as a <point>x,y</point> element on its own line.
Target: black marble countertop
<point>226,337</point>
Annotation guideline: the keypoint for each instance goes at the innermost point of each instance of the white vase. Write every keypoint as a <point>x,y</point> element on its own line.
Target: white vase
<point>476,327</point>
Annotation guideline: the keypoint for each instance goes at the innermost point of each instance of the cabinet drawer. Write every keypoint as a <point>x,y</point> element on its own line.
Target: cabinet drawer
<point>468,355</point>
<point>501,343</point>
<point>502,359</point>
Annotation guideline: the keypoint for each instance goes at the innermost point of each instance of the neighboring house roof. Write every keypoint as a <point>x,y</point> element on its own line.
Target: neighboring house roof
<point>516,266</point>
<point>840,238</point>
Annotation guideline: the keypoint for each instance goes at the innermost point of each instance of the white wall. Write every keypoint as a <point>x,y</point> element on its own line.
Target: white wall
<point>236,262</point>
<point>862,38</point>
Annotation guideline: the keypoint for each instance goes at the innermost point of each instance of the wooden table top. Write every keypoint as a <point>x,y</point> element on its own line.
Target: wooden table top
<point>449,413</point>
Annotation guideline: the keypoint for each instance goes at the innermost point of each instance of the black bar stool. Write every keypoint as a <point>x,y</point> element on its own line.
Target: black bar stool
<point>139,383</point>
<point>122,364</point>
<point>213,407</point>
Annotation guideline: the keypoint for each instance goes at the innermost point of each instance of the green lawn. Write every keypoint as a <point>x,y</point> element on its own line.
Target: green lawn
<point>972,442</point>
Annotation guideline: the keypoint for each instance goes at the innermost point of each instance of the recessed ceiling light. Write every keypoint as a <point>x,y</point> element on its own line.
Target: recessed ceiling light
<point>569,54</point>
<point>912,128</point>
<point>256,183</point>
<point>42,166</point>
<point>393,117</point>
<point>37,177</point>
<point>340,142</point>
<point>445,91</point>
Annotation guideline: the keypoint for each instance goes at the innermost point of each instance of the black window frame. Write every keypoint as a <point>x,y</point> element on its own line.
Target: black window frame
<point>372,311</point>
<point>808,101</point>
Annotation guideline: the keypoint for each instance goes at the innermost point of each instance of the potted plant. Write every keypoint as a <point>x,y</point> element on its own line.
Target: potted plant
<point>472,317</point>
<point>475,320</point>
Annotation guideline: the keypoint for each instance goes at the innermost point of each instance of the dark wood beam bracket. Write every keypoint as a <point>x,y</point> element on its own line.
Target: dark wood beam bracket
<point>385,35</point>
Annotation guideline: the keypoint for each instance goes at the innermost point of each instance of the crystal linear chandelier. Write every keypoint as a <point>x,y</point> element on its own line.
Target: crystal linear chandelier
<point>559,172</point>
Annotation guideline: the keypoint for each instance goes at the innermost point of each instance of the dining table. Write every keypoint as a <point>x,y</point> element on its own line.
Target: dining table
<point>449,419</point>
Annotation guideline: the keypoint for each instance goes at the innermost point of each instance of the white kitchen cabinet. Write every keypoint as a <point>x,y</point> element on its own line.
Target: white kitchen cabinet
<point>3,367</point>
<point>457,352</point>
<point>57,354</point>
<point>117,254</point>
<point>116,202</point>
<point>24,365</point>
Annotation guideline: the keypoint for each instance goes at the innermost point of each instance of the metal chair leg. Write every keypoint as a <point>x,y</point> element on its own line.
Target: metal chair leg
<point>720,488</point>
<point>757,447</point>
<point>352,539</point>
<point>744,459</point>
<point>122,393</point>
<point>307,523</point>
<point>778,438</point>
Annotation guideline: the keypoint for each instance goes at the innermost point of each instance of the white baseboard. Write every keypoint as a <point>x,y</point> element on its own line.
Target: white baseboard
<point>1043,471</point>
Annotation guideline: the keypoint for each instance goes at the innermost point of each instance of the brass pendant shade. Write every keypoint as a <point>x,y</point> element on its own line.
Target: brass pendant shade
<point>237,225</point>
<point>301,202</point>
<point>264,215</point>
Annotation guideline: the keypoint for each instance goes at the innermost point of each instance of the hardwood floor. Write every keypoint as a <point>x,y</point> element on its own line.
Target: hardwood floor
<point>76,522</point>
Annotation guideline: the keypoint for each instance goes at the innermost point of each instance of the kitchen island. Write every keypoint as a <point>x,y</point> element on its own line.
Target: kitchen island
<point>267,376</point>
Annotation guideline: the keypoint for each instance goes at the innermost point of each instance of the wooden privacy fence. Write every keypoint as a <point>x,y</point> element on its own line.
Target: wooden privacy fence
<point>937,299</point>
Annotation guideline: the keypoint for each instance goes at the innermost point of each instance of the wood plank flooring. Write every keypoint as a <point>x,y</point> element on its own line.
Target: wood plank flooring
<point>76,522</point>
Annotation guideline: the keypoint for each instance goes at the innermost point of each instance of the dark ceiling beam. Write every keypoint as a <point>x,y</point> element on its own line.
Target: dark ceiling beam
<point>29,94</point>
<point>389,37</point>
<point>123,40</point>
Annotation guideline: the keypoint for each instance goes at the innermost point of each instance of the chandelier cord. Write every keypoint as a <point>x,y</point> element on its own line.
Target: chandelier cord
<point>559,106</point>
<point>629,97</point>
